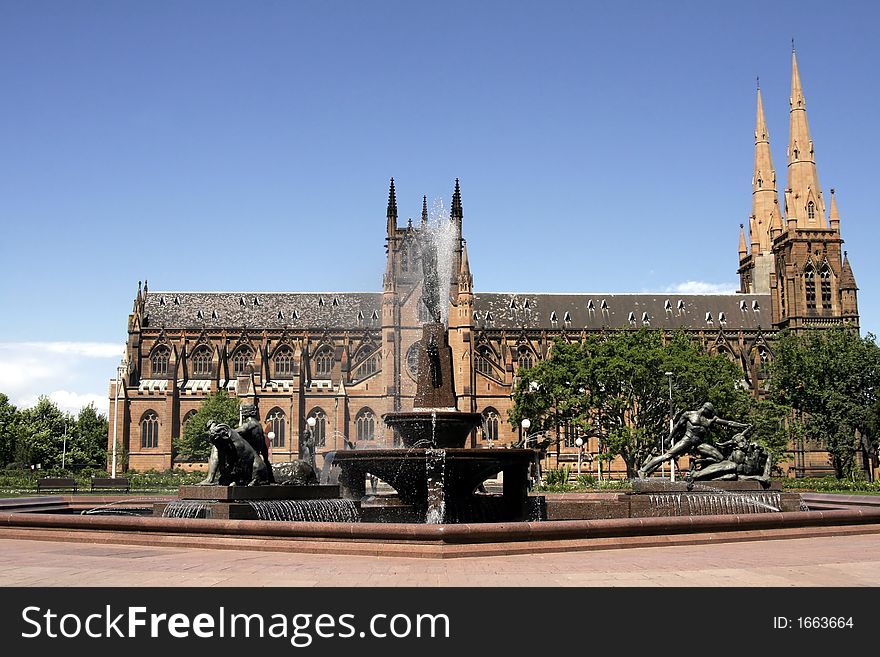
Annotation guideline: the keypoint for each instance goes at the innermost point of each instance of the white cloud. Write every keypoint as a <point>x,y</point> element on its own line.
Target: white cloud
<point>72,374</point>
<point>86,349</point>
<point>71,401</point>
<point>702,287</point>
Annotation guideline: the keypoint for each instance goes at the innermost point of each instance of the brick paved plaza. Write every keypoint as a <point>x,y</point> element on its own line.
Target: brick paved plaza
<point>844,560</point>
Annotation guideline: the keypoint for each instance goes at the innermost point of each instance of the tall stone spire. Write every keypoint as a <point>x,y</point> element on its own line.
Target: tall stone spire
<point>424,210</point>
<point>803,204</point>
<point>456,213</point>
<point>764,193</point>
<point>392,210</point>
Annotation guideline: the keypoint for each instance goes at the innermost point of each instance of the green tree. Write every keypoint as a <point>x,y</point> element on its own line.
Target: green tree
<point>615,384</point>
<point>554,392</point>
<point>87,441</point>
<point>217,407</point>
<point>40,434</point>
<point>8,417</point>
<point>831,379</point>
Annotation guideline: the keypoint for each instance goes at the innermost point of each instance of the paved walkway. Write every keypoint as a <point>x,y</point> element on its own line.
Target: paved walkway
<point>826,561</point>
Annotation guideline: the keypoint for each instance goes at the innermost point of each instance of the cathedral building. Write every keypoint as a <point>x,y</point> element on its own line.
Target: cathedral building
<point>346,358</point>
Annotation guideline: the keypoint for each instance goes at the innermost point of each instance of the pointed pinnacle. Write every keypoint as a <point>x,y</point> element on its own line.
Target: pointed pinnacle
<point>424,209</point>
<point>457,211</point>
<point>392,201</point>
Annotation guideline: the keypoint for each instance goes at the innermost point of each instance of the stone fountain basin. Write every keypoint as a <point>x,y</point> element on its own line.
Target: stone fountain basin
<point>406,470</point>
<point>441,428</point>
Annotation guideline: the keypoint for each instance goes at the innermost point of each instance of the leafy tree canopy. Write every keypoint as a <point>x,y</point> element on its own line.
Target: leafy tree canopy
<point>39,436</point>
<point>218,407</point>
<point>831,377</point>
<point>87,442</point>
<point>8,416</point>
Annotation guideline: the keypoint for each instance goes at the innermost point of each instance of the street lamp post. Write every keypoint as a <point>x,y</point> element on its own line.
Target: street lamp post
<point>671,412</point>
<point>580,445</point>
<point>525,424</point>
<point>121,370</point>
<point>64,448</point>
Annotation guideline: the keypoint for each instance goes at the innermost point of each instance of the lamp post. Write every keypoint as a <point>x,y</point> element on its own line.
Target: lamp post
<point>525,424</point>
<point>121,371</point>
<point>580,445</point>
<point>671,412</point>
<point>64,447</point>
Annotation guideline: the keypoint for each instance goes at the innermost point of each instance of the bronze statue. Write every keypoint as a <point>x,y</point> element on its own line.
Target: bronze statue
<point>745,459</point>
<point>295,473</point>
<point>237,462</point>
<point>251,431</point>
<point>307,448</point>
<point>689,434</point>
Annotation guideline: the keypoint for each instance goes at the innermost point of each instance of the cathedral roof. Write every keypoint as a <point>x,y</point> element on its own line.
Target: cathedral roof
<point>730,312</point>
<point>269,310</point>
<point>591,311</point>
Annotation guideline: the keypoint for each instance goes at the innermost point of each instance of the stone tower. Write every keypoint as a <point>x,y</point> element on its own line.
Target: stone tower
<point>798,259</point>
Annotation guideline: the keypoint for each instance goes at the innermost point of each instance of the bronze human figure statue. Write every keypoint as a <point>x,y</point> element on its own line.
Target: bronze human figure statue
<point>689,434</point>
<point>307,448</point>
<point>250,431</point>
<point>744,459</point>
<point>236,462</point>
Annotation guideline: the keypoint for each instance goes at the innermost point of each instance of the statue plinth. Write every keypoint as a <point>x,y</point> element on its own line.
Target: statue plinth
<point>435,387</point>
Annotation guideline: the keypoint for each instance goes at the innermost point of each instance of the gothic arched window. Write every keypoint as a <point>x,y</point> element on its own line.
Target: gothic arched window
<point>763,362</point>
<point>149,429</point>
<point>366,425</point>
<point>825,282</point>
<point>811,210</point>
<point>159,361</point>
<point>369,362</point>
<point>524,358</point>
<point>201,362</point>
<point>283,362</point>
<point>319,432</point>
<point>186,418</point>
<point>490,424</point>
<point>240,361</point>
<point>810,286</point>
<point>276,422</point>
<point>482,362</point>
<point>323,363</point>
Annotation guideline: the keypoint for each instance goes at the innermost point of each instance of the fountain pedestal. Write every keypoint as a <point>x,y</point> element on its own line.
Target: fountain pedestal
<point>249,502</point>
<point>441,484</point>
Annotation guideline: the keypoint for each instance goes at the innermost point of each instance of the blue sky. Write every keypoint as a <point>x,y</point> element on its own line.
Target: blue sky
<point>248,145</point>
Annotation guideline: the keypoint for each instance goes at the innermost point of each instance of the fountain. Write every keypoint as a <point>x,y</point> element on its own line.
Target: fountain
<point>433,473</point>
